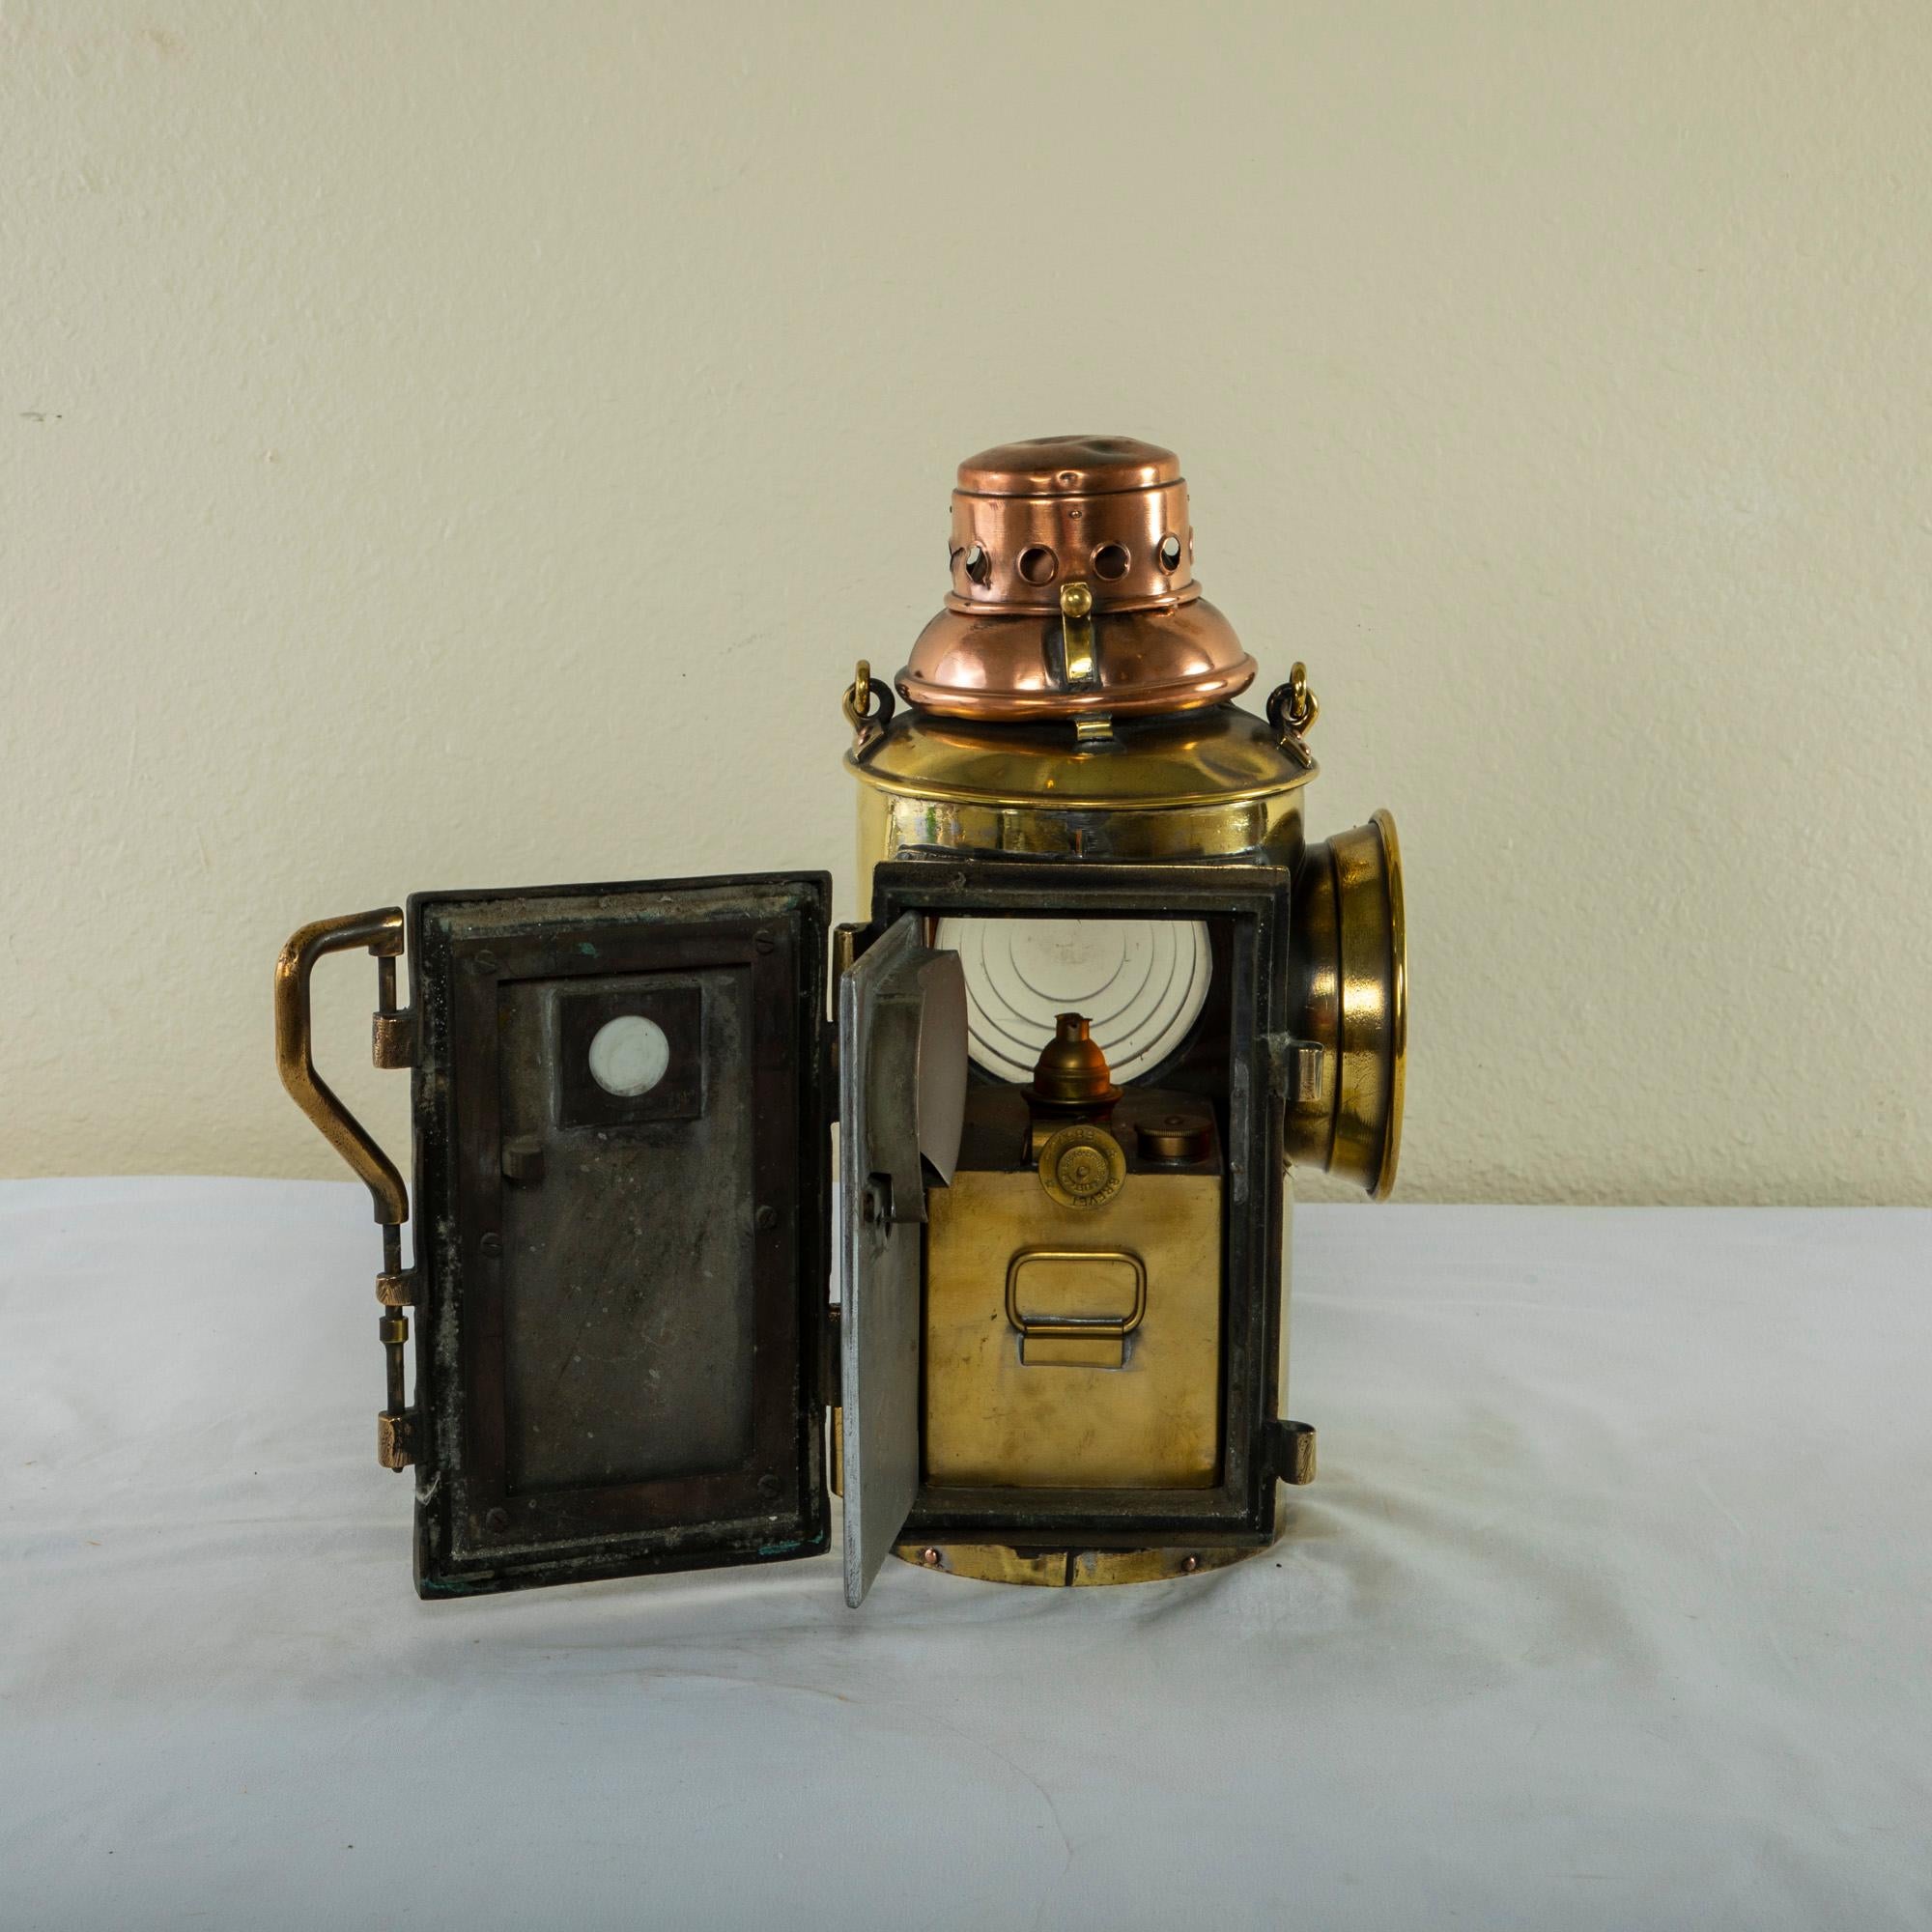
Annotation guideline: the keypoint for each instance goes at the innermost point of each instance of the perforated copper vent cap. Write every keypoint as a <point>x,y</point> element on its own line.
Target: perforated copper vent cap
<point>1043,529</point>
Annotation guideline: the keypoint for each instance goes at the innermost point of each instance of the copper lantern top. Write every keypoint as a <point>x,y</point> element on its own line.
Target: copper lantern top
<point>1073,591</point>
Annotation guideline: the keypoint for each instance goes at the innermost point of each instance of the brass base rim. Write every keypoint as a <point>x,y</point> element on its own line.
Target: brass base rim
<point>1069,1569</point>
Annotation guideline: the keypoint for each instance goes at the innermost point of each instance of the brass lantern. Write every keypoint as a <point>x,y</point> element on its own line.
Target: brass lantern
<point>1103,995</point>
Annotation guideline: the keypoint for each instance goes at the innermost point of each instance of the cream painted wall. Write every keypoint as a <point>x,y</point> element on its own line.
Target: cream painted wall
<point>468,443</point>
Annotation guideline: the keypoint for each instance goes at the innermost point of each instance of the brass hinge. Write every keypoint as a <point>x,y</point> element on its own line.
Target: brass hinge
<point>831,1358</point>
<point>1294,1068</point>
<point>1291,1450</point>
<point>395,1291</point>
<point>396,1439</point>
<point>392,1039</point>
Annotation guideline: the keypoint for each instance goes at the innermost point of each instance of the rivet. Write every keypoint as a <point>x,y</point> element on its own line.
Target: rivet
<point>768,1217</point>
<point>1192,1564</point>
<point>929,1555</point>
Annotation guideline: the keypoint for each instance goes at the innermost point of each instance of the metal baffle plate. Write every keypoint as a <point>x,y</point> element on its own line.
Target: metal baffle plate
<point>901,1100</point>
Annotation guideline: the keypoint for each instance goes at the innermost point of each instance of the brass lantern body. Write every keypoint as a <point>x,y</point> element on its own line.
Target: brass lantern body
<point>1102,992</point>
<point>1072,702</point>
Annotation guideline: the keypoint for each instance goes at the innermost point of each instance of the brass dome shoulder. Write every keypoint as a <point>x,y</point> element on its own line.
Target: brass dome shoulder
<point>1219,757</point>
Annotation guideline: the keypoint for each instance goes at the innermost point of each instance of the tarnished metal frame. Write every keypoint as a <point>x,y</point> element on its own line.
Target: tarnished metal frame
<point>444,1569</point>
<point>1253,902</point>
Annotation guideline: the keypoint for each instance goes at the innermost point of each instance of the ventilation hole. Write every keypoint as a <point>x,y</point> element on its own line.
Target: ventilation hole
<point>1037,565</point>
<point>1110,561</point>
<point>1170,553</point>
<point>978,565</point>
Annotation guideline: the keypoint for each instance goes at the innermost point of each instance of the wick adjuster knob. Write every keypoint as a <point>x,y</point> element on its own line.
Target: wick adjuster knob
<point>1082,1166</point>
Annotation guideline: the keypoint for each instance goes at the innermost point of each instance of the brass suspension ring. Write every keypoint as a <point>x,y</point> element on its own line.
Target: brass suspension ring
<point>1293,706</point>
<point>869,724</point>
<point>1291,710</point>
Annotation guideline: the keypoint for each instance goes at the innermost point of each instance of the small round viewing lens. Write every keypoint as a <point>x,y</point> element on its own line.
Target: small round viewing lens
<point>629,1055</point>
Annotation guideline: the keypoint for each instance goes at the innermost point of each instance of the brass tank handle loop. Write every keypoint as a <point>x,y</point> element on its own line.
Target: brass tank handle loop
<point>381,932</point>
<point>869,724</point>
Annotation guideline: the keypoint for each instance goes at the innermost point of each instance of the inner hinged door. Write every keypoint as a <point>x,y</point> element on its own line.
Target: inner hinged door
<point>901,1102</point>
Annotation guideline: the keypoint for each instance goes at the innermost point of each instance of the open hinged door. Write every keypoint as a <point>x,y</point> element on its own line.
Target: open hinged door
<point>901,1104</point>
<point>622,1182</point>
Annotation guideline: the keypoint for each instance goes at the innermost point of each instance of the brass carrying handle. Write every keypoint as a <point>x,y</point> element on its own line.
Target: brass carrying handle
<point>381,932</point>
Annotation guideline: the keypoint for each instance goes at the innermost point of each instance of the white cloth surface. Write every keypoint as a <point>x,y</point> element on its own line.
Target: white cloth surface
<point>1609,1608</point>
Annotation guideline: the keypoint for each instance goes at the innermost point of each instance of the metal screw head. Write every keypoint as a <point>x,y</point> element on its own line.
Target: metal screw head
<point>496,1521</point>
<point>1082,1170</point>
<point>485,962</point>
<point>929,1555</point>
<point>1192,1564</point>
<point>768,1217</point>
<point>763,941</point>
<point>491,1245</point>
